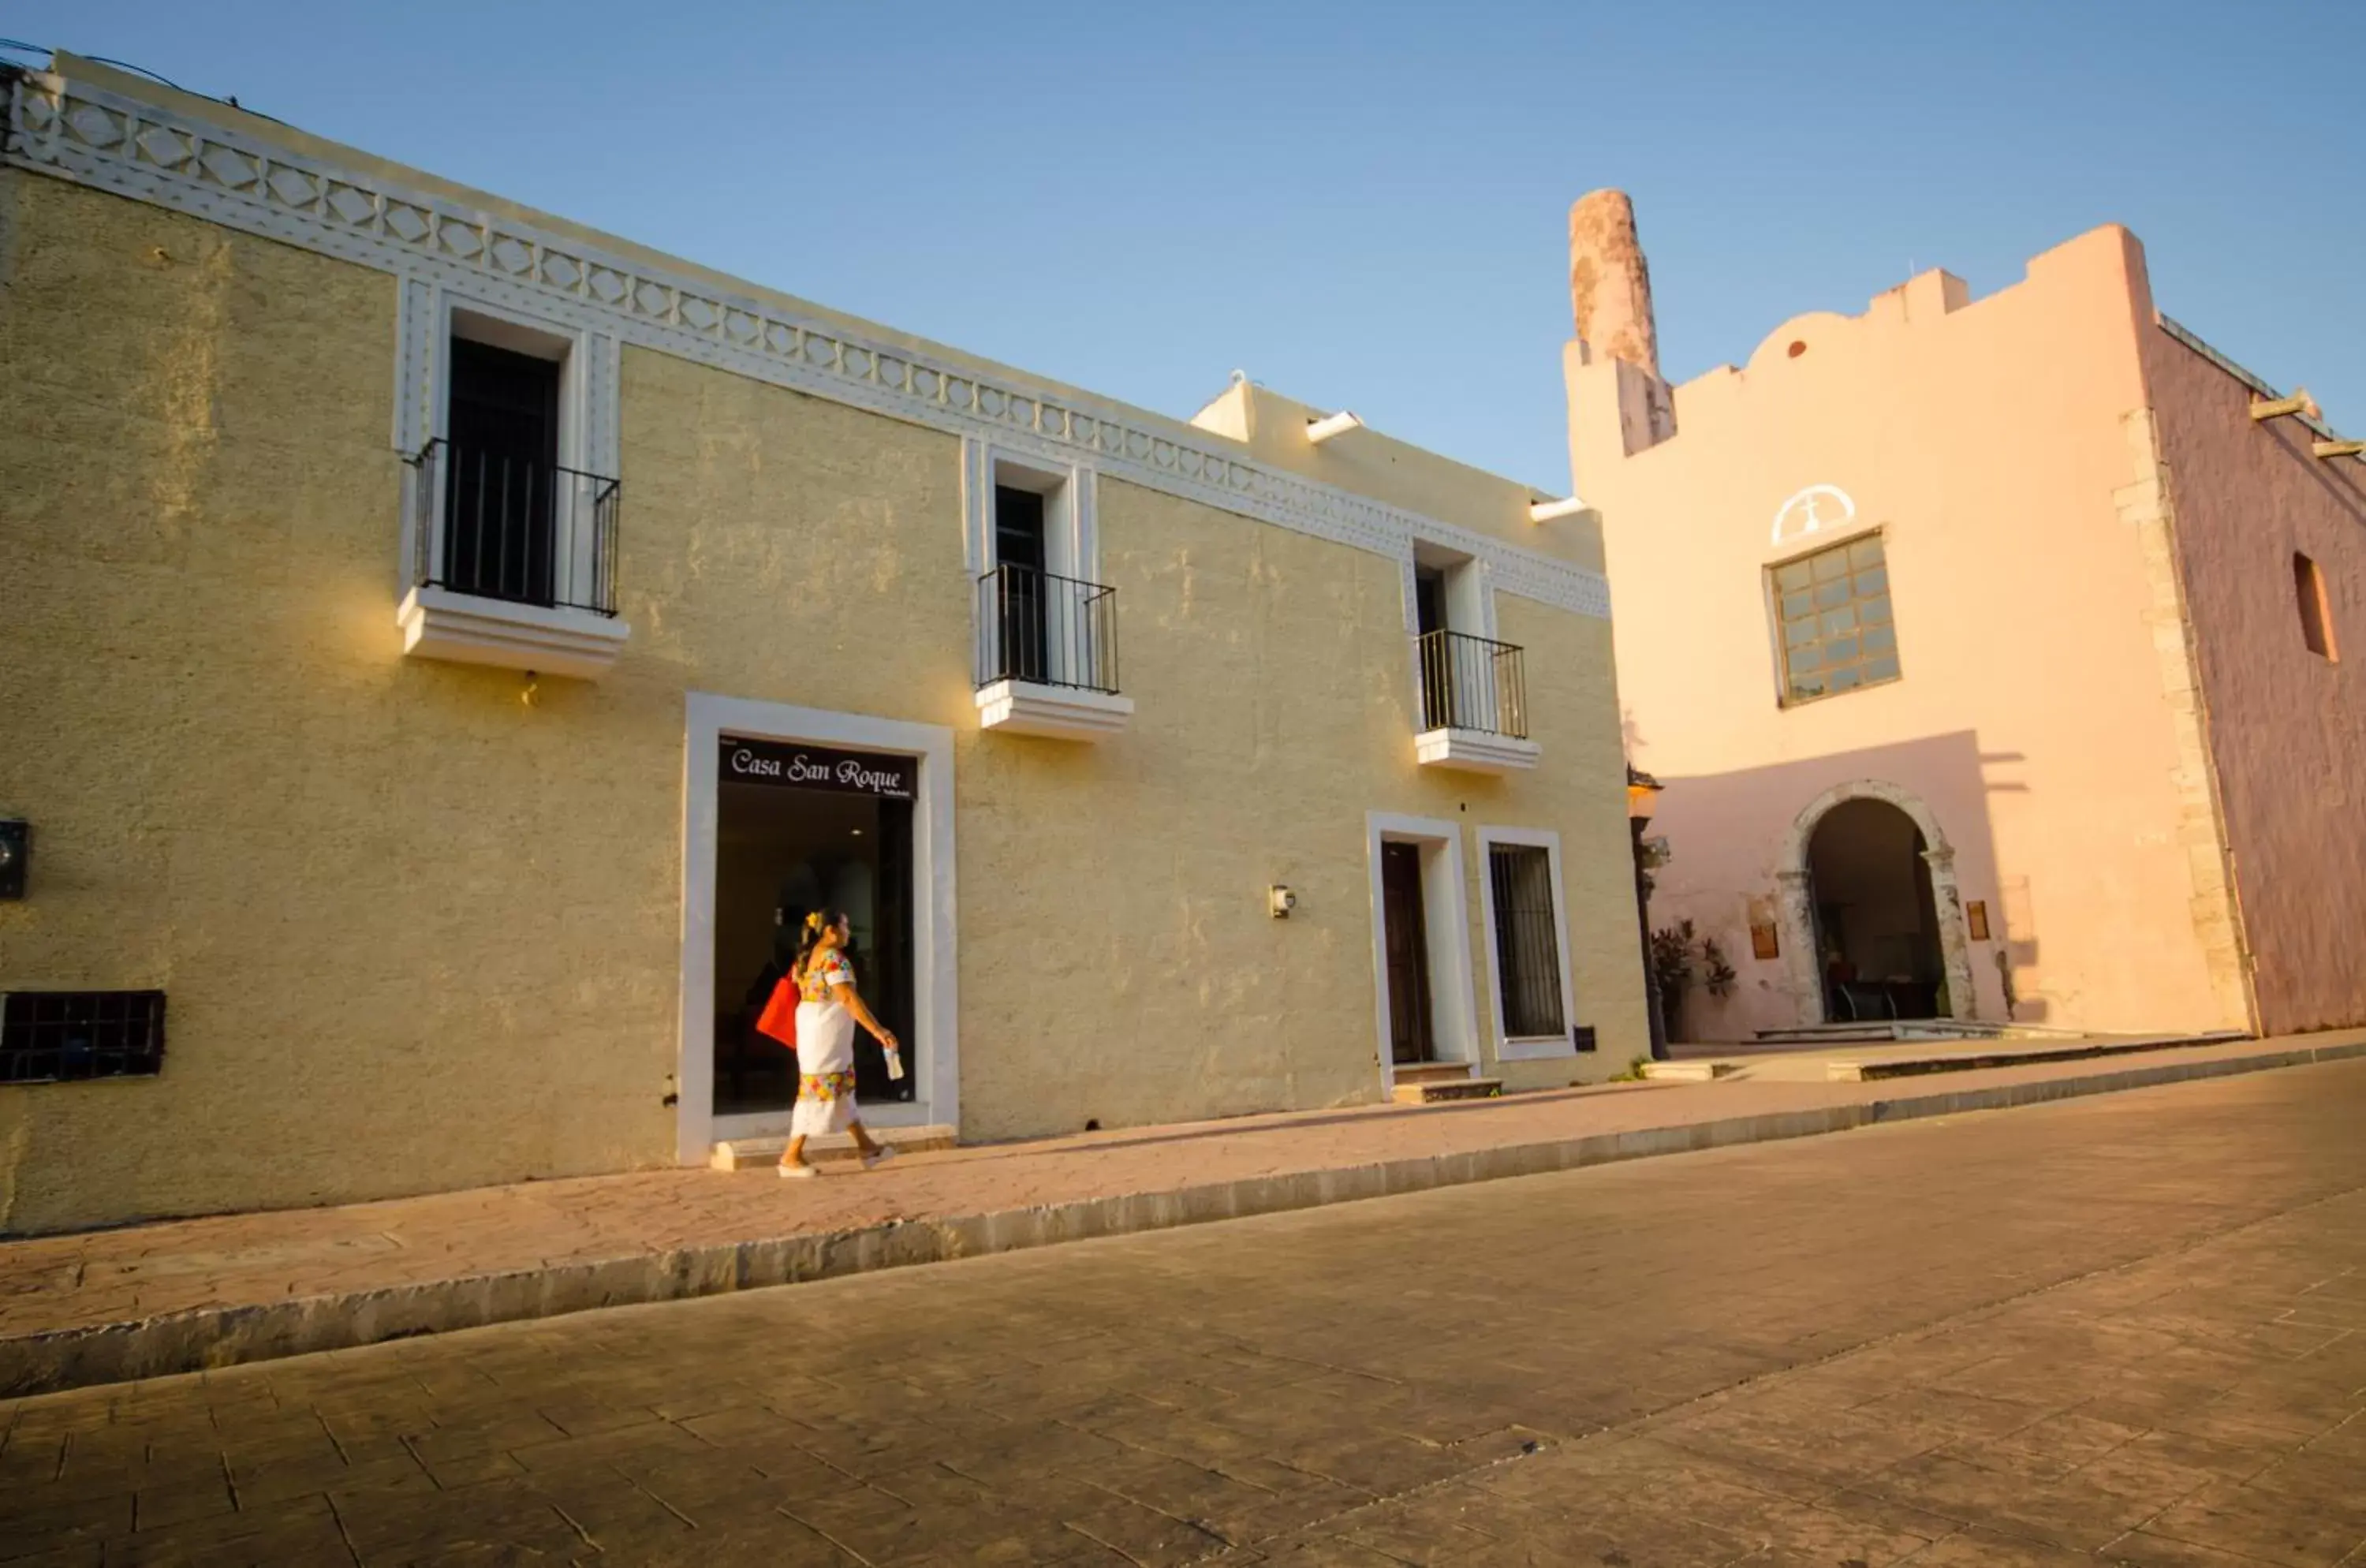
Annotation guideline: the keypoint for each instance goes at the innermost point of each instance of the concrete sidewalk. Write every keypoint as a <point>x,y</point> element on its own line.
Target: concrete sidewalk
<point>182,1295</point>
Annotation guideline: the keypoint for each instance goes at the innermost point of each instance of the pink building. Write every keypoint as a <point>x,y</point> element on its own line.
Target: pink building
<point>1991,652</point>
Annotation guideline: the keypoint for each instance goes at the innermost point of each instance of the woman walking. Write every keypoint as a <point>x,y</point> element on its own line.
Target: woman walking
<point>828,1010</point>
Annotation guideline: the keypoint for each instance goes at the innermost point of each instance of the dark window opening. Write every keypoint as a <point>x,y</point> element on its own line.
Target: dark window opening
<point>1527,940</point>
<point>1019,556</point>
<point>501,480</point>
<point>1428,599</point>
<point>72,1036</point>
<point>2316,609</point>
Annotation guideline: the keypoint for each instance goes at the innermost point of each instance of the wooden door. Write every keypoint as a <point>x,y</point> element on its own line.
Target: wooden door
<point>1408,953</point>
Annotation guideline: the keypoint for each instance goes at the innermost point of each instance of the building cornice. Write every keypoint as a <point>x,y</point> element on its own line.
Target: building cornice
<point>156,154</point>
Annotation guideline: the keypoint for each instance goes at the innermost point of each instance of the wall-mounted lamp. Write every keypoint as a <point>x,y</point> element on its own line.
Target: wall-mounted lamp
<point>1280,901</point>
<point>1554,511</point>
<point>1318,431</point>
<point>16,850</point>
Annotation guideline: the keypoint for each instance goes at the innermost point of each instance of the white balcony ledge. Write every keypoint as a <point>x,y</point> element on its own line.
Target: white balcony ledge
<point>463,629</point>
<point>1060,713</point>
<point>1475,751</point>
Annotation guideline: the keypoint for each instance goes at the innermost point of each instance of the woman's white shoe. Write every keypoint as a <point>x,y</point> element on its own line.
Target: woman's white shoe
<point>796,1172</point>
<point>881,1156</point>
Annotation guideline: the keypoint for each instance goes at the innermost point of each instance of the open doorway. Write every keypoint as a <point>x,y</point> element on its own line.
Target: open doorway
<point>1878,942</point>
<point>799,830</point>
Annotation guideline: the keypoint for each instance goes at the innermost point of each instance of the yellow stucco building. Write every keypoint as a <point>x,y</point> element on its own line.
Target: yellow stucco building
<point>444,651</point>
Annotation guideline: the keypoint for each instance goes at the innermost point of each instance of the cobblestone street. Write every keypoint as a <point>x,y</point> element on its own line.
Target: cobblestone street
<point>2119,1330</point>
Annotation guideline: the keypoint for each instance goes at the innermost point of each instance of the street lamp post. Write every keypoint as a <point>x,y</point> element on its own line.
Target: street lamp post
<point>1643,794</point>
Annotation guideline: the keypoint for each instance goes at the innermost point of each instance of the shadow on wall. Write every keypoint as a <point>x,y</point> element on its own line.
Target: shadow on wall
<point>1739,841</point>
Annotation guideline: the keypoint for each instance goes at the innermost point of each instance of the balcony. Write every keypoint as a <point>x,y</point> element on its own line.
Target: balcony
<point>512,563</point>
<point>1474,701</point>
<point>1047,656</point>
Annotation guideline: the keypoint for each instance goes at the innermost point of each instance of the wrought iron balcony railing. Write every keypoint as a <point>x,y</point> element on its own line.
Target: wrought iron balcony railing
<point>1470,682</point>
<point>1048,630</point>
<point>496,526</point>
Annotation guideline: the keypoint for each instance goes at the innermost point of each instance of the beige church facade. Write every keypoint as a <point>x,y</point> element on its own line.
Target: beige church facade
<point>446,651</point>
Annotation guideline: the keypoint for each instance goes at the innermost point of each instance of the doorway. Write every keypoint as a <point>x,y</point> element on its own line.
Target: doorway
<point>1877,941</point>
<point>1411,1036</point>
<point>801,829</point>
<point>1425,1003</point>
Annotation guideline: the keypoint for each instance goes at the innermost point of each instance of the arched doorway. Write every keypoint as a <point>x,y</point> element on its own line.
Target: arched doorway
<point>1872,925</point>
<point>1876,923</point>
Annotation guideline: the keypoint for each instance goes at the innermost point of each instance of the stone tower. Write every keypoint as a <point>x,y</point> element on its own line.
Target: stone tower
<point>1609,285</point>
<point>1610,295</point>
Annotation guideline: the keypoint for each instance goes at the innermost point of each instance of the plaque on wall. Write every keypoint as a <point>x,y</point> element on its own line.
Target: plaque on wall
<point>1976,913</point>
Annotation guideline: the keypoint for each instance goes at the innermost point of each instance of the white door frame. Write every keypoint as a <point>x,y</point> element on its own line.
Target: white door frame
<point>1445,919</point>
<point>935,1048</point>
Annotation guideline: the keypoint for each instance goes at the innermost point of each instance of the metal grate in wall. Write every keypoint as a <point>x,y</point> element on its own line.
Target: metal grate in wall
<point>72,1036</point>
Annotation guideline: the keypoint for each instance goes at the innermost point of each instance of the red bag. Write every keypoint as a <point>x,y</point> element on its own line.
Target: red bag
<point>779,1018</point>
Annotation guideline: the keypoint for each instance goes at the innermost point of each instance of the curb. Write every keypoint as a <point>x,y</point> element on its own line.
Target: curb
<point>223,1336</point>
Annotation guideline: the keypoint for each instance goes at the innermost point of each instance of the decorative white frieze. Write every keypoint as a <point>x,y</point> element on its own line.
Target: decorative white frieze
<point>143,150</point>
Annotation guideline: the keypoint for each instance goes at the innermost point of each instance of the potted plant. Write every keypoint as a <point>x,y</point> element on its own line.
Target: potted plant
<point>1679,956</point>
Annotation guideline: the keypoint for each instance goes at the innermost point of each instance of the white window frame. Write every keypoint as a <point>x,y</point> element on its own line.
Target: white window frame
<point>1445,919</point>
<point>430,315</point>
<point>1530,1048</point>
<point>935,1048</point>
<point>1470,607</point>
<point>1071,522</point>
<point>1071,533</point>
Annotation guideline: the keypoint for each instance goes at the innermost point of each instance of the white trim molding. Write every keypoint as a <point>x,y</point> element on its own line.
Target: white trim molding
<point>243,180</point>
<point>1535,1048</point>
<point>1472,751</point>
<point>1446,920</point>
<point>936,1043</point>
<point>465,629</point>
<point>1056,713</point>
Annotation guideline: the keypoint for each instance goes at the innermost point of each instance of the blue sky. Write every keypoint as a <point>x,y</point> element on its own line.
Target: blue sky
<point>1360,204</point>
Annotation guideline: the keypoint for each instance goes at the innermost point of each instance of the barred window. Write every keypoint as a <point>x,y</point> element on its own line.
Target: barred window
<point>1528,941</point>
<point>1838,633</point>
<point>64,1036</point>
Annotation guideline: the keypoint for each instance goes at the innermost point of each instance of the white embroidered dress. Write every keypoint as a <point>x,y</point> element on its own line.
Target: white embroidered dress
<point>825,1049</point>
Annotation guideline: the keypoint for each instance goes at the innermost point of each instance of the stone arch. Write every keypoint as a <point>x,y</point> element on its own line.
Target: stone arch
<point>1796,913</point>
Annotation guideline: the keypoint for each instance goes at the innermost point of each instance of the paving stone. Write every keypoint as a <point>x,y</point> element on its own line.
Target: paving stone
<point>317,1280</point>
<point>1791,1374</point>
